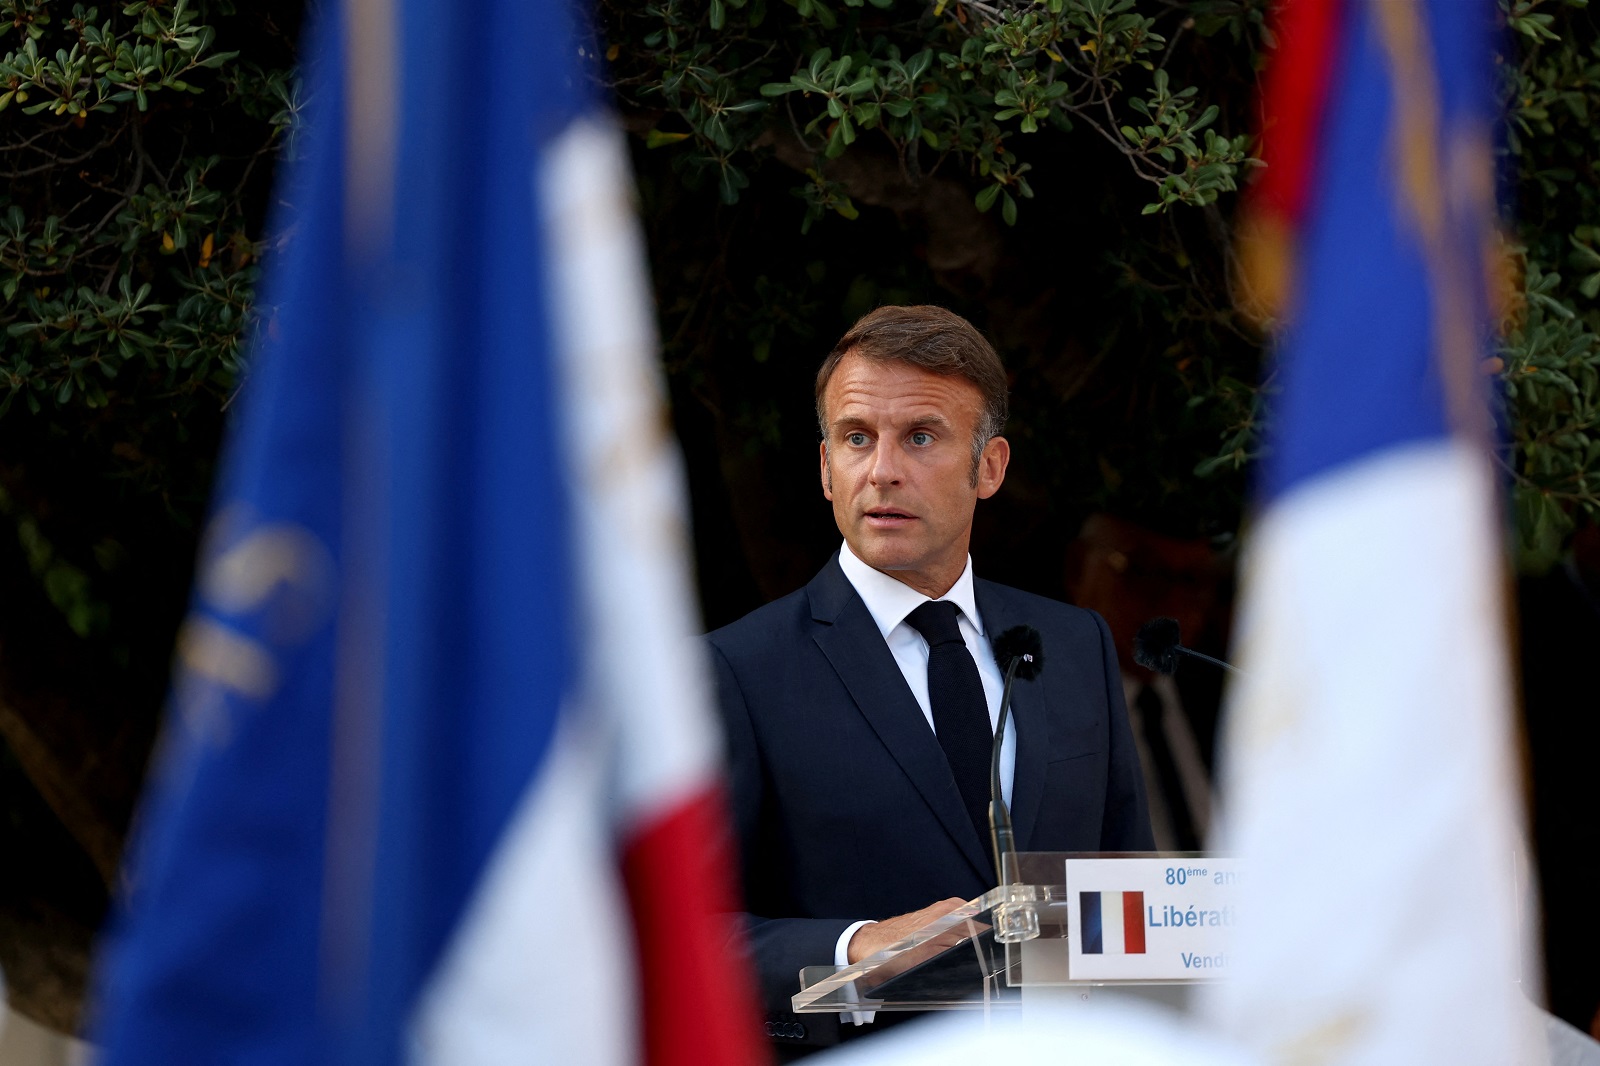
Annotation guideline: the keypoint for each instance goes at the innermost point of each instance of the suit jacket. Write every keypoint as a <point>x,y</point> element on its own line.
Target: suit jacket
<point>844,804</point>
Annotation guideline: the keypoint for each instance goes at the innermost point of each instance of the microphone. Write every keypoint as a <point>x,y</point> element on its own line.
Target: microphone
<point>1020,653</point>
<point>1157,647</point>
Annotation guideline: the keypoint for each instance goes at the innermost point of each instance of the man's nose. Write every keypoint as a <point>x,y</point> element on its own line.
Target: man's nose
<point>886,463</point>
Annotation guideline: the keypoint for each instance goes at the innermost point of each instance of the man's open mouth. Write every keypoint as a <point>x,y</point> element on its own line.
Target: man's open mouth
<point>888,514</point>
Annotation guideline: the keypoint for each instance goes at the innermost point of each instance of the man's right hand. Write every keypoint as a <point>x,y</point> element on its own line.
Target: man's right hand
<point>871,939</point>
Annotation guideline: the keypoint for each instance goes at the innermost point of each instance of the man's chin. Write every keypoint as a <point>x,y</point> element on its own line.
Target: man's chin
<point>885,552</point>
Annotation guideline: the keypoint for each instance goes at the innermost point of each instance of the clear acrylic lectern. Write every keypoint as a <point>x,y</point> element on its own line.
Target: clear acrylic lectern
<point>983,955</point>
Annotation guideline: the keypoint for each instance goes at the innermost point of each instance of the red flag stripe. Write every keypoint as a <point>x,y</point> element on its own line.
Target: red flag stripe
<point>1295,90</point>
<point>696,990</point>
<point>1133,923</point>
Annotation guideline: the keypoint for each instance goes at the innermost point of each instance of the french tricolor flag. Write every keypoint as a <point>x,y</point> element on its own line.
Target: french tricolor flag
<point>1113,922</point>
<point>440,780</point>
<point>1371,741</point>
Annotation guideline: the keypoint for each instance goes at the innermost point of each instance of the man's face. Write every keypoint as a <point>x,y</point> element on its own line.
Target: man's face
<point>897,465</point>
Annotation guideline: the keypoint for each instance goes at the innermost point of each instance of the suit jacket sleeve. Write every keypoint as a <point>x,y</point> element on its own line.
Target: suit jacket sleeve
<point>1127,817</point>
<point>780,946</point>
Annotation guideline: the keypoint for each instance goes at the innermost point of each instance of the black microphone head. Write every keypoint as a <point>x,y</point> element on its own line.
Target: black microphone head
<point>1156,646</point>
<point>1020,642</point>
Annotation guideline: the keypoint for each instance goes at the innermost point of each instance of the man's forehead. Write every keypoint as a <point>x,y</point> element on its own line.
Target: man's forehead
<point>861,386</point>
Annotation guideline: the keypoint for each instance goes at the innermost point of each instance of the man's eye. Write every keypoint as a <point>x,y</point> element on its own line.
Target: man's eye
<point>855,440</point>
<point>920,439</point>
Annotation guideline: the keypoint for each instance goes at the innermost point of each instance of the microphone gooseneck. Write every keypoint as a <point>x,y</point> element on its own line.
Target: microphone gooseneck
<point>1157,647</point>
<point>1002,838</point>
<point>1020,653</point>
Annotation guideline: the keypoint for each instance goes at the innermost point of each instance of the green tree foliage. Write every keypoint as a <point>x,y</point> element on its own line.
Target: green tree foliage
<point>123,236</point>
<point>137,155</point>
<point>1551,348</point>
<point>950,87</point>
<point>137,143</point>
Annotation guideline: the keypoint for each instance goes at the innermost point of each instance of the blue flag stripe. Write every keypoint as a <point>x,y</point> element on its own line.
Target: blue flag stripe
<point>1364,365</point>
<point>1093,934</point>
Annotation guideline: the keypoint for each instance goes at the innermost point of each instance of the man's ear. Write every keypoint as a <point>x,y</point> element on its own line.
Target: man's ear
<point>992,466</point>
<point>827,475</point>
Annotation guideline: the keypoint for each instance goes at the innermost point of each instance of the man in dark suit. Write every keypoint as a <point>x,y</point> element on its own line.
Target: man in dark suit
<point>860,710</point>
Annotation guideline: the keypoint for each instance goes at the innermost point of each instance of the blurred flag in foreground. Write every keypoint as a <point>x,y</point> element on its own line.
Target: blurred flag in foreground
<point>1369,770</point>
<point>438,779</point>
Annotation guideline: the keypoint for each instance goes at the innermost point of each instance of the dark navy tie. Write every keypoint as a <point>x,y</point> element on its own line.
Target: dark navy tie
<point>960,711</point>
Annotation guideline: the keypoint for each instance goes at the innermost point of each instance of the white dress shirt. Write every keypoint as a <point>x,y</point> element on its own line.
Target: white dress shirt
<point>889,601</point>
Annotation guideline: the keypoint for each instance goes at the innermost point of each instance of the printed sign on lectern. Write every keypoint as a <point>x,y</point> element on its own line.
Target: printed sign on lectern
<point>1149,919</point>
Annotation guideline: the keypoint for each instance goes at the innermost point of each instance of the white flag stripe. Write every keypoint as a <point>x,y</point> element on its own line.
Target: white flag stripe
<point>548,926</point>
<point>1111,931</point>
<point>644,663</point>
<point>1370,777</point>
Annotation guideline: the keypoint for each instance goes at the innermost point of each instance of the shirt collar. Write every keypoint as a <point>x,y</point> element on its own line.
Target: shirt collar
<point>889,600</point>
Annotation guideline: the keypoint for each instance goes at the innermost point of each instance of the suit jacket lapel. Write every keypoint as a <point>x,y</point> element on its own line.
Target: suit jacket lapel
<point>1031,712</point>
<point>850,639</point>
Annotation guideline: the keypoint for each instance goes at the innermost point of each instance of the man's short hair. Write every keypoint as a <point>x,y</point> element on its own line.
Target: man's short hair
<point>936,340</point>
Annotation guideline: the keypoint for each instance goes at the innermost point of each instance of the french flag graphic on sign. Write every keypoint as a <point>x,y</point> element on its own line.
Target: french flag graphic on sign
<point>1113,922</point>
